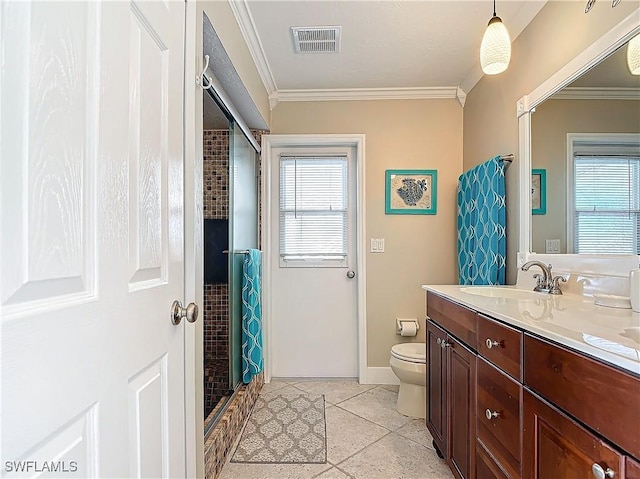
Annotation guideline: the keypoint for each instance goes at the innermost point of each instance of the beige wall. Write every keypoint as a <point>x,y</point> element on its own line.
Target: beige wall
<point>551,122</point>
<point>224,23</point>
<point>419,249</point>
<point>558,33</point>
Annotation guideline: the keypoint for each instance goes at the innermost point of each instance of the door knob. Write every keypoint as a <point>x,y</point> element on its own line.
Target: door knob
<point>351,274</point>
<point>178,312</point>
<point>491,414</point>
<point>600,473</point>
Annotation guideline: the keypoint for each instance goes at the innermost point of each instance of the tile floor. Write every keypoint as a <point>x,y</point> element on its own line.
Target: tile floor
<point>366,437</point>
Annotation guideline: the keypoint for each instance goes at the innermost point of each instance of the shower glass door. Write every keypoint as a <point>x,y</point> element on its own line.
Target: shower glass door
<point>243,234</point>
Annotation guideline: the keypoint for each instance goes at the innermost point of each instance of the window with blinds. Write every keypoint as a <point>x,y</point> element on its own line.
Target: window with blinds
<point>313,211</point>
<point>606,203</point>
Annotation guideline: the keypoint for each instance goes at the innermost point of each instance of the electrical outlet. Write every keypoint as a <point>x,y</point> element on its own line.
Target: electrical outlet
<point>552,246</point>
<point>381,245</point>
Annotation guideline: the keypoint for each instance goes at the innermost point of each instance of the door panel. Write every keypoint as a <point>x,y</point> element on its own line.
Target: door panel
<point>91,249</point>
<point>461,401</point>
<point>437,410</point>
<point>556,446</point>
<point>243,234</point>
<point>48,232</point>
<point>314,309</point>
<point>148,152</point>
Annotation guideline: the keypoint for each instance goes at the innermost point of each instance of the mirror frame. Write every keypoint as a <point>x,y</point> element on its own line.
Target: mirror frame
<point>592,55</point>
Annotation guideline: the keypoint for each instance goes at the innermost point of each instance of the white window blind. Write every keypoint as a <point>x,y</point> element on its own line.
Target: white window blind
<point>606,203</point>
<point>313,210</point>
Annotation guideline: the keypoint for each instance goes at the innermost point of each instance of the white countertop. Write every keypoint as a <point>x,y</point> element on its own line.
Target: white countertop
<point>609,334</point>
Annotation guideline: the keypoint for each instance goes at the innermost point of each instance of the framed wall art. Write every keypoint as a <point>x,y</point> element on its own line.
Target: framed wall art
<point>411,192</point>
<point>538,192</point>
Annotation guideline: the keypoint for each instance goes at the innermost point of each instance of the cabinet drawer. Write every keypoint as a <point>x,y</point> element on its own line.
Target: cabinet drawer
<point>501,345</point>
<point>456,319</point>
<point>499,396</point>
<point>486,467</point>
<point>598,395</point>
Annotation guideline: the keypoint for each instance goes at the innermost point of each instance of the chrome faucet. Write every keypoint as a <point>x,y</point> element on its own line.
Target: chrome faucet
<point>545,282</point>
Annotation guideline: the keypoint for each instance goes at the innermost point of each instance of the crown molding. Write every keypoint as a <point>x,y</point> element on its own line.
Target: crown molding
<point>248,28</point>
<point>602,93</point>
<point>345,94</point>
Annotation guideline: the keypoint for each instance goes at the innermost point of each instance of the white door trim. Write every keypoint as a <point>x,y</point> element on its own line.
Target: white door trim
<point>269,142</point>
<point>193,249</point>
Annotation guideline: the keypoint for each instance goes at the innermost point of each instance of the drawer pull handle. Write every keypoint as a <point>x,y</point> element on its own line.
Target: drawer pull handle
<point>491,414</point>
<point>600,473</point>
<point>445,344</point>
<point>439,341</point>
<point>491,344</point>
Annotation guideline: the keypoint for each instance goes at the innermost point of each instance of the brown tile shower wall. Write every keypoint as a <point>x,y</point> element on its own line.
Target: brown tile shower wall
<point>216,344</point>
<point>216,174</point>
<point>216,296</point>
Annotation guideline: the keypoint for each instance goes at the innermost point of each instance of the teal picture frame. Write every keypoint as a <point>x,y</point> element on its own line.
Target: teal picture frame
<point>538,191</point>
<point>411,192</point>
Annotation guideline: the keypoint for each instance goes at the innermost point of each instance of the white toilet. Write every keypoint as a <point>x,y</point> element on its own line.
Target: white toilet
<point>409,363</point>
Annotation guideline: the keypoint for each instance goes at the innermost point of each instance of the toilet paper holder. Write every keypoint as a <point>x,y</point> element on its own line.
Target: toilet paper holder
<point>406,324</point>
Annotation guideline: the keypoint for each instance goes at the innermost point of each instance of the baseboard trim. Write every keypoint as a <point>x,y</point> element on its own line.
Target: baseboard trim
<point>379,376</point>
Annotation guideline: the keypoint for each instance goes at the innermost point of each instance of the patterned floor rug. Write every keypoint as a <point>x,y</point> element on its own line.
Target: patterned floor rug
<point>285,429</point>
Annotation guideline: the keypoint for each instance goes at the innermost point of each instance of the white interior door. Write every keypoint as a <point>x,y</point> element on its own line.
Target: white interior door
<point>314,321</point>
<point>91,247</point>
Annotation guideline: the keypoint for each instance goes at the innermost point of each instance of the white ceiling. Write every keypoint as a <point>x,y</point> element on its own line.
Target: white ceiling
<point>399,46</point>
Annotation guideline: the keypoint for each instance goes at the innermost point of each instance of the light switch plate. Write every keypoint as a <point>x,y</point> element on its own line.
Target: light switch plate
<point>377,245</point>
<point>552,246</point>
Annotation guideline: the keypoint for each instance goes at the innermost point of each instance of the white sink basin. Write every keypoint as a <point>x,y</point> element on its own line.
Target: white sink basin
<point>503,292</point>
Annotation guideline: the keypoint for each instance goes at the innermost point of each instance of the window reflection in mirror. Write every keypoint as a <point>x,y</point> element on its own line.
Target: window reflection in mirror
<point>588,134</point>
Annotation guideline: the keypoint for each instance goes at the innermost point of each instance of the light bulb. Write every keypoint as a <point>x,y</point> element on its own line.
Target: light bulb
<point>495,49</point>
<point>633,55</point>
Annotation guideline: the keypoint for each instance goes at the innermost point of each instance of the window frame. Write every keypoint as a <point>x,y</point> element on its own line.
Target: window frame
<point>310,261</point>
<point>575,141</point>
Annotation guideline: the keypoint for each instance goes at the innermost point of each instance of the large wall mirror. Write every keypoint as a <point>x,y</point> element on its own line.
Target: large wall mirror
<point>580,154</point>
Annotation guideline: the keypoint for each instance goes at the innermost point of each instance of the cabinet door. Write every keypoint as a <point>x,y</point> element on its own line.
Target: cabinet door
<point>631,468</point>
<point>436,386</point>
<point>461,402</point>
<point>556,446</point>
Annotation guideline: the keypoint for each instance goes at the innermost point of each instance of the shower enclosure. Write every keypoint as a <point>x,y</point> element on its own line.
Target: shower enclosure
<point>230,188</point>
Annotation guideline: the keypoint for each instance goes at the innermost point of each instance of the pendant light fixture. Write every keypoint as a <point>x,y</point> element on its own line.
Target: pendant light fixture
<point>495,49</point>
<point>633,55</point>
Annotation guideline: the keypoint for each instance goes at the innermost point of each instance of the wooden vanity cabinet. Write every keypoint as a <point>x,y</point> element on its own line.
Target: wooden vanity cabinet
<point>507,404</point>
<point>451,382</point>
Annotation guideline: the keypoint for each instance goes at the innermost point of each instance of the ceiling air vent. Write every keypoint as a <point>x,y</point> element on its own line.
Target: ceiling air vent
<point>316,39</point>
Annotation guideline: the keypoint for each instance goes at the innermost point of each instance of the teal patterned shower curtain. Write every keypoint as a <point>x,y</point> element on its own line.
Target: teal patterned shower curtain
<point>482,239</point>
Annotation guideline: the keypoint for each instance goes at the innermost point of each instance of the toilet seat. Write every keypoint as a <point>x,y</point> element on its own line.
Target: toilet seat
<point>410,352</point>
